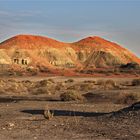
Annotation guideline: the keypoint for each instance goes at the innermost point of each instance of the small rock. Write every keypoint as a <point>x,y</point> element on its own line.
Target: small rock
<point>62,124</point>
<point>11,124</point>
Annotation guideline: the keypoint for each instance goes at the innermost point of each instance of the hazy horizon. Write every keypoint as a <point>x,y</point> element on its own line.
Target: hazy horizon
<point>72,20</point>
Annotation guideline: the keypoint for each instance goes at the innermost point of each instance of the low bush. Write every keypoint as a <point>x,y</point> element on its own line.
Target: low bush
<point>127,98</point>
<point>86,87</point>
<point>60,86</point>
<point>41,90</point>
<point>43,83</point>
<point>51,80</point>
<point>32,70</point>
<point>69,81</point>
<point>71,96</point>
<point>136,82</point>
<point>89,81</point>
<point>108,84</point>
<point>100,82</point>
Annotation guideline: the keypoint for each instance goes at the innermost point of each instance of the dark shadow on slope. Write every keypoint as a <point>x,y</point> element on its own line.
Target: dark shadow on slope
<point>132,108</point>
<point>65,113</point>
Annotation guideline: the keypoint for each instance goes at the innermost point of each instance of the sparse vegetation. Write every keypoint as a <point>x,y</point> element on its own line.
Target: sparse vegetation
<point>66,104</point>
<point>89,81</point>
<point>32,70</point>
<point>71,95</point>
<point>127,98</point>
<point>86,87</point>
<point>51,80</point>
<point>100,82</point>
<point>69,81</point>
<point>41,90</point>
<point>48,114</point>
<point>108,84</point>
<point>136,82</point>
<point>60,86</point>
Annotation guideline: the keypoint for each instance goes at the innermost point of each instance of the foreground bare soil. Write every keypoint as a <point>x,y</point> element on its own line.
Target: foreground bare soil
<point>106,113</point>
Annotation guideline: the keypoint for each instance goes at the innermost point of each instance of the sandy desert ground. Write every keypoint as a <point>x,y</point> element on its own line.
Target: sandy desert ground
<point>92,108</point>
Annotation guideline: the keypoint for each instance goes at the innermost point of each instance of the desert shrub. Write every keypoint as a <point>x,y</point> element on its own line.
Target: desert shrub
<point>29,84</point>
<point>71,96</point>
<point>74,87</point>
<point>44,83</point>
<point>108,84</point>
<point>41,83</point>
<point>42,90</point>
<point>57,87</point>
<point>18,73</point>
<point>32,70</point>
<point>15,87</point>
<point>89,81</point>
<point>12,80</point>
<point>100,82</point>
<point>51,80</point>
<point>89,71</point>
<point>86,87</point>
<point>136,82</point>
<point>127,98</point>
<point>60,86</point>
<point>91,96</point>
<point>69,81</point>
<point>43,69</point>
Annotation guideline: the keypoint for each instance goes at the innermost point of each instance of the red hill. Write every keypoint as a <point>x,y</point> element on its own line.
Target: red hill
<point>91,51</point>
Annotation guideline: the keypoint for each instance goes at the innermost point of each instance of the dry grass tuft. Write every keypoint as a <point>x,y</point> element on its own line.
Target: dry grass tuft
<point>48,114</point>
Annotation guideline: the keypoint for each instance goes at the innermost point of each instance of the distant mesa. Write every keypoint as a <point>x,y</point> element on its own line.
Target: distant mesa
<point>30,50</point>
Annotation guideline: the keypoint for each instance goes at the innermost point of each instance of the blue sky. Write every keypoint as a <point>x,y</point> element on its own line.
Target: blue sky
<point>71,20</point>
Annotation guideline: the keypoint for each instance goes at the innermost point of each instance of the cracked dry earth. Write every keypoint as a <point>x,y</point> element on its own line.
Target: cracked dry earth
<point>20,120</point>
